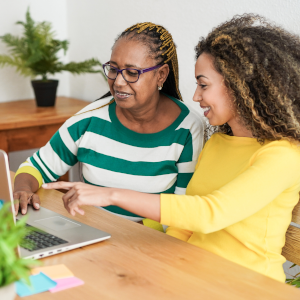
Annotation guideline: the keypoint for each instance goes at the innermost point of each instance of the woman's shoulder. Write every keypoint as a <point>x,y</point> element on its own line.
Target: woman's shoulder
<point>98,108</point>
<point>284,148</point>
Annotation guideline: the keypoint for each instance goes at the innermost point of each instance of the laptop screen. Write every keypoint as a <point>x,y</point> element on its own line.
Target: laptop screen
<point>5,180</point>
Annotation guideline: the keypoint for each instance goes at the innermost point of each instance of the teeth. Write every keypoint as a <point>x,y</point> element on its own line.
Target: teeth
<point>123,94</point>
<point>205,109</point>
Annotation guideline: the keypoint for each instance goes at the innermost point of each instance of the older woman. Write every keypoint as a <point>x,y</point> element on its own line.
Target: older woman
<point>239,201</point>
<point>143,138</point>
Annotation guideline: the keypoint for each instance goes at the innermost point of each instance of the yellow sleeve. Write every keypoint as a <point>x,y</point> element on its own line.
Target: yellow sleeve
<point>178,233</point>
<point>32,171</point>
<point>273,170</point>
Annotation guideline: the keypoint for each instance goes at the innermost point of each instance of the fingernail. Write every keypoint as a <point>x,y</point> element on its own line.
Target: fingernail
<point>44,185</point>
<point>23,211</point>
<point>36,205</point>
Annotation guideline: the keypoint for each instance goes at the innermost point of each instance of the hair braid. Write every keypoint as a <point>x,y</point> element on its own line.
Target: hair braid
<point>161,47</point>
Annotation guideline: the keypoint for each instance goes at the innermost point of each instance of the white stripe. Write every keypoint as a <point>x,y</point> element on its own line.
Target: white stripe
<point>53,161</point>
<point>67,140</point>
<point>194,122</point>
<point>187,167</point>
<point>107,146</point>
<point>146,184</point>
<point>42,167</point>
<point>27,163</point>
<point>102,113</point>
<point>179,191</point>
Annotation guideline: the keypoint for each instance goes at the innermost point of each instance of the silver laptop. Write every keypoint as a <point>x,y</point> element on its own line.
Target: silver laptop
<point>51,232</point>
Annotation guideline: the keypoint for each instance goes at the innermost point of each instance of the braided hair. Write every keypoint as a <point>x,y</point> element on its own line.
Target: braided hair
<point>161,47</point>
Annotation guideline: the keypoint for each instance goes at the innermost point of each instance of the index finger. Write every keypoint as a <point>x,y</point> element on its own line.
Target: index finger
<point>58,185</point>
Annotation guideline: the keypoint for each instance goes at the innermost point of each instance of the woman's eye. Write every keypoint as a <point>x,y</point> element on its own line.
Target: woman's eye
<point>111,69</point>
<point>203,86</point>
<point>132,73</point>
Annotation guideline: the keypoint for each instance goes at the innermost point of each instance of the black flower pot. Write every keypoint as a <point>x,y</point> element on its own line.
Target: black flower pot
<point>45,92</point>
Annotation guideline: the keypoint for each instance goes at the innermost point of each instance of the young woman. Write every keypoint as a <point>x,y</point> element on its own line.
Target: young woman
<point>239,201</point>
<point>144,139</point>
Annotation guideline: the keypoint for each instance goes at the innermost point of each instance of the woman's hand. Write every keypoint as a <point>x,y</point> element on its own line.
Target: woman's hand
<point>24,187</point>
<point>146,205</point>
<point>24,197</point>
<point>81,194</point>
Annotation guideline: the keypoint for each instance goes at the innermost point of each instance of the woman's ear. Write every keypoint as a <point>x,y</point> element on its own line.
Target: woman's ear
<point>162,74</point>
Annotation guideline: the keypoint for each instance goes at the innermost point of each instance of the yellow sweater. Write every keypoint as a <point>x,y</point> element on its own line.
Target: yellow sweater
<point>239,202</point>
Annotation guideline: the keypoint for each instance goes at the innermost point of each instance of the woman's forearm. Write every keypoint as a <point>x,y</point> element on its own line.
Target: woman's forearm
<point>25,182</point>
<point>146,205</point>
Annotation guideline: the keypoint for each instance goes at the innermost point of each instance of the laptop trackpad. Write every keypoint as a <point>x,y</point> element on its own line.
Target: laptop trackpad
<point>57,223</point>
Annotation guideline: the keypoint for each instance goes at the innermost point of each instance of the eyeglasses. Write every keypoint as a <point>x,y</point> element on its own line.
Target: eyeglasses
<point>130,75</point>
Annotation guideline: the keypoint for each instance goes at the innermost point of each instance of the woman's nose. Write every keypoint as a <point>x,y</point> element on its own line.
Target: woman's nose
<point>197,96</point>
<point>120,81</point>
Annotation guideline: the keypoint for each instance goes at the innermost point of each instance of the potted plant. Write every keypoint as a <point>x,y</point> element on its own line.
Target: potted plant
<point>12,267</point>
<point>35,54</point>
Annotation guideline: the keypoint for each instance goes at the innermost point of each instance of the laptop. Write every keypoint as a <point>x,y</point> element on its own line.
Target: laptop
<point>49,232</point>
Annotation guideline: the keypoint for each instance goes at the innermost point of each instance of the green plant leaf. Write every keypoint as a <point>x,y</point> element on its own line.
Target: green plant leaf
<point>12,267</point>
<point>35,53</point>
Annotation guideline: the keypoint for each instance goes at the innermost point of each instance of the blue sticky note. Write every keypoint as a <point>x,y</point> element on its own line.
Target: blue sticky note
<point>39,283</point>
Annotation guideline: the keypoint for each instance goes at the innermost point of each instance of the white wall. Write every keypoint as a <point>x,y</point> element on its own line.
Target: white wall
<point>93,25</point>
<point>12,85</point>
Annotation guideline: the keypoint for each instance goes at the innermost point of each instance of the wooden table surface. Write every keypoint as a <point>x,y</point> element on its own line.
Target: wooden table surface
<point>142,263</point>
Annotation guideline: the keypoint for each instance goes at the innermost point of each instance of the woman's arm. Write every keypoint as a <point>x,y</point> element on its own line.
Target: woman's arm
<point>80,194</point>
<point>24,187</point>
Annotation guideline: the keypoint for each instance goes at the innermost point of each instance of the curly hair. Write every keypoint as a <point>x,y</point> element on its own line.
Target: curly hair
<point>260,63</point>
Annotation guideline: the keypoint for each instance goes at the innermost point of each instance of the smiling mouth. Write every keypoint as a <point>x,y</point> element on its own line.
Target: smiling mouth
<point>206,110</point>
<point>122,95</point>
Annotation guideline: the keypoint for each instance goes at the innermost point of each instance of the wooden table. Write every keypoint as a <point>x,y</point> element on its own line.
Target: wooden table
<point>141,263</point>
<point>24,126</point>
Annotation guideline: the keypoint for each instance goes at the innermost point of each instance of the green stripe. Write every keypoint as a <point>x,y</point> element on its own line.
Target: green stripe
<point>36,165</point>
<point>108,130</point>
<point>62,151</point>
<point>79,128</point>
<point>183,179</point>
<point>168,191</point>
<point>162,138</point>
<point>50,171</point>
<point>118,165</point>
<point>121,211</point>
<point>187,152</point>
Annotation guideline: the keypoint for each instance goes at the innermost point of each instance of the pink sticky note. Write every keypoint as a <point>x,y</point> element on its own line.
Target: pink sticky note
<point>66,283</point>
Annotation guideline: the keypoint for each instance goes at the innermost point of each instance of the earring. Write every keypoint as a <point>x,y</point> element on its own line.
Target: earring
<point>160,87</point>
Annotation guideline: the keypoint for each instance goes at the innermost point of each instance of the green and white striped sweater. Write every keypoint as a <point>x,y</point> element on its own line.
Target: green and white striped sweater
<point>114,156</point>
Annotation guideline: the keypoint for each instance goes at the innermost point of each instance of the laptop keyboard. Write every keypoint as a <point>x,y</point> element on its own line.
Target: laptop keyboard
<point>37,239</point>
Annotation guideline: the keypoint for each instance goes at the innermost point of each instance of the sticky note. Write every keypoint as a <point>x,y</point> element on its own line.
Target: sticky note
<point>54,272</point>
<point>66,283</point>
<point>39,283</point>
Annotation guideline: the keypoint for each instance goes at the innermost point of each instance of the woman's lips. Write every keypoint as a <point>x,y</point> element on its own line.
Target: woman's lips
<point>121,95</point>
<point>206,110</point>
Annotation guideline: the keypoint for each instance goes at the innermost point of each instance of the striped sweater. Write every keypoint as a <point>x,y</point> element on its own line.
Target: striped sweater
<point>111,155</point>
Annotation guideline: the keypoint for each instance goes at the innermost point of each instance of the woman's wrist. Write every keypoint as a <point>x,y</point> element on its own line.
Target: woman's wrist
<point>115,196</point>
